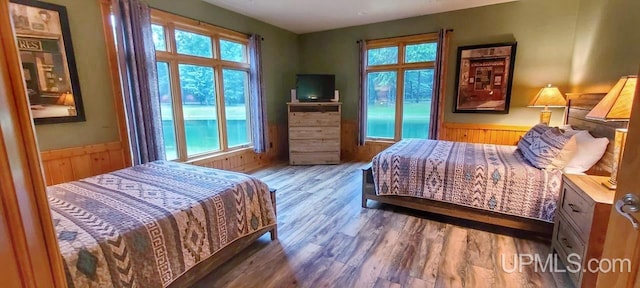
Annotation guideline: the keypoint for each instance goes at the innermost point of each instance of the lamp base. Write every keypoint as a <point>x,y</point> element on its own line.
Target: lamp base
<point>610,184</point>
<point>618,149</point>
<point>545,117</point>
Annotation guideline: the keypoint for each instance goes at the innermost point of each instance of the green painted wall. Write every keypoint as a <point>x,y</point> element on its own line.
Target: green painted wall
<point>606,45</point>
<point>544,29</point>
<point>579,45</point>
<point>280,64</point>
<point>95,83</point>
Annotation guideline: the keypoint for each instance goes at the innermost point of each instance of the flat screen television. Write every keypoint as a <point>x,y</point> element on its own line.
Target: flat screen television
<point>315,87</point>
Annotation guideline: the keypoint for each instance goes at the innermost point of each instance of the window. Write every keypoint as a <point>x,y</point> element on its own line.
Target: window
<point>203,83</point>
<point>399,86</point>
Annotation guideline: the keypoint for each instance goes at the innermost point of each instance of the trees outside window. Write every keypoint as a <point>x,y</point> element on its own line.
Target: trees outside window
<point>203,81</point>
<point>399,86</point>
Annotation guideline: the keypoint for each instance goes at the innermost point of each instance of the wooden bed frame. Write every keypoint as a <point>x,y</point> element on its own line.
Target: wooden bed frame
<point>578,107</point>
<point>205,267</point>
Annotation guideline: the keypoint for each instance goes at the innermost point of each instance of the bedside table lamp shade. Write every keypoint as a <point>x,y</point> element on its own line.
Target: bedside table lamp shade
<point>616,106</point>
<point>548,97</point>
<point>66,99</point>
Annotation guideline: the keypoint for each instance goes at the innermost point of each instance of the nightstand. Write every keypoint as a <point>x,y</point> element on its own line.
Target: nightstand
<point>581,224</point>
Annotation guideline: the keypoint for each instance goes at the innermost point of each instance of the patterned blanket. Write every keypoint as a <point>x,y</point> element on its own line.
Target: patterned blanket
<point>146,225</point>
<point>489,177</point>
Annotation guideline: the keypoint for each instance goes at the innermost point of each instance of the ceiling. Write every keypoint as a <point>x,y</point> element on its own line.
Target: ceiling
<point>304,16</point>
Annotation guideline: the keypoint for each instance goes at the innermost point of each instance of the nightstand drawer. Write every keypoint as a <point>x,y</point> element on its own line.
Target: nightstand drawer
<point>576,208</point>
<point>567,239</point>
<point>567,242</point>
<point>581,223</point>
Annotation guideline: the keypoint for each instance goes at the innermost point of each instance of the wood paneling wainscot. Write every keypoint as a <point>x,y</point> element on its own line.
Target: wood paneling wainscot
<point>483,133</point>
<point>245,160</point>
<point>349,147</point>
<point>460,132</point>
<point>75,163</point>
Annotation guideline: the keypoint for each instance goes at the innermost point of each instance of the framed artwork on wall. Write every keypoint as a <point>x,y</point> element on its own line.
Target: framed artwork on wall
<point>44,41</point>
<point>484,77</point>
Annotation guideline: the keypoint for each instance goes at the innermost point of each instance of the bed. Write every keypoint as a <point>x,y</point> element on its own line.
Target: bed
<point>160,224</point>
<point>481,182</point>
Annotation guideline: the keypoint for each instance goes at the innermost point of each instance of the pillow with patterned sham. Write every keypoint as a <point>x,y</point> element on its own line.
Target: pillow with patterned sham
<point>532,135</point>
<point>544,150</point>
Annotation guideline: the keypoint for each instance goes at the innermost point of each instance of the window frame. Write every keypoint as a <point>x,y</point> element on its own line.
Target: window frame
<point>171,22</point>
<point>400,67</point>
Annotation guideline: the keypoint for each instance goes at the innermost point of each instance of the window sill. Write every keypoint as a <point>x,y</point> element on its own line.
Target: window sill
<point>380,141</point>
<point>218,155</point>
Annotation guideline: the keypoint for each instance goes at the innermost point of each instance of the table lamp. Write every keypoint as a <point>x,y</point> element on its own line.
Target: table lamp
<point>67,100</point>
<point>548,97</point>
<point>616,106</point>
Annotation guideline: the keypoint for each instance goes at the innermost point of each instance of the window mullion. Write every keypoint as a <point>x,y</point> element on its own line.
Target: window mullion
<point>222,122</point>
<point>170,38</point>
<point>174,78</point>
<point>220,108</point>
<point>178,114</point>
<point>399,103</point>
<point>399,92</point>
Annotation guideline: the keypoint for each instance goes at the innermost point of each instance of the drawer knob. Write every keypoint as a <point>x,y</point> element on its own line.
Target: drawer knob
<point>573,208</point>
<point>565,242</point>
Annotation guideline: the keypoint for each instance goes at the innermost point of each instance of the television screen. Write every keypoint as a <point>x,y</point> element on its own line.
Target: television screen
<point>315,87</point>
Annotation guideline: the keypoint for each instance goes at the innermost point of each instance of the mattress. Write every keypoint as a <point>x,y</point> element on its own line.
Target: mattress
<point>146,225</point>
<point>489,177</point>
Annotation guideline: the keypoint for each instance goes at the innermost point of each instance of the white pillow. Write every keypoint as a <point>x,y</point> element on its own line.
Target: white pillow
<point>566,127</point>
<point>572,132</point>
<point>589,152</point>
<point>567,153</point>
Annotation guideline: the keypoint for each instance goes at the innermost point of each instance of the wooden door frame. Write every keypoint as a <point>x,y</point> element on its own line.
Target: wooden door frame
<point>116,82</point>
<point>22,186</point>
<point>613,241</point>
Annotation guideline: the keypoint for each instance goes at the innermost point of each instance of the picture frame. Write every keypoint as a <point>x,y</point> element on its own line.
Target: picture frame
<point>43,38</point>
<point>484,77</point>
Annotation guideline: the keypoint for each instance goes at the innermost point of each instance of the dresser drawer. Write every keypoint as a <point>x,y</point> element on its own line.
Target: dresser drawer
<point>315,145</point>
<point>314,119</point>
<point>298,158</point>
<point>577,209</point>
<point>302,133</point>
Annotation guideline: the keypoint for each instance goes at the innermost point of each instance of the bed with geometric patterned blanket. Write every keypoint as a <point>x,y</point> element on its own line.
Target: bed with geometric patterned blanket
<point>481,182</point>
<point>158,224</point>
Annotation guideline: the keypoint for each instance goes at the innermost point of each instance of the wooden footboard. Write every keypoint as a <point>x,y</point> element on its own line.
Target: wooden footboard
<point>205,267</point>
<point>453,210</point>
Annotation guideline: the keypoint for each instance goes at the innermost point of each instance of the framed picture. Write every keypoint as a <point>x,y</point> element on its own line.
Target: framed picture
<point>484,77</point>
<point>46,52</point>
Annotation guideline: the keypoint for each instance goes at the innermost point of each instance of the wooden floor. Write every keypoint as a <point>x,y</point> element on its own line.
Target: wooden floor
<point>327,240</point>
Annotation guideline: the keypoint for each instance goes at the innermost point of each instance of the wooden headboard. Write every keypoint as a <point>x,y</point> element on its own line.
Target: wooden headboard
<point>578,108</point>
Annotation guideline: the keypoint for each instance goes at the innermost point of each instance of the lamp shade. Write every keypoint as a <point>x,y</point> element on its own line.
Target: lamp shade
<point>66,99</point>
<point>548,97</point>
<point>616,106</point>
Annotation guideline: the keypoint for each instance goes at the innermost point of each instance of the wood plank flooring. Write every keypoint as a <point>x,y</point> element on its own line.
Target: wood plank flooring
<point>327,240</point>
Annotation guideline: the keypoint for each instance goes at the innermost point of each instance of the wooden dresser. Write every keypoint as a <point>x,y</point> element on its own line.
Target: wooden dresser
<point>314,133</point>
<point>581,224</point>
